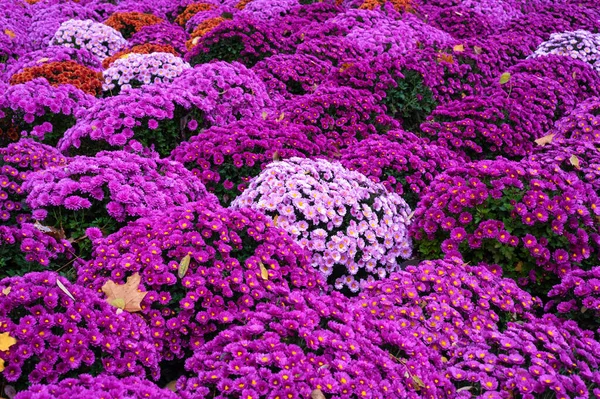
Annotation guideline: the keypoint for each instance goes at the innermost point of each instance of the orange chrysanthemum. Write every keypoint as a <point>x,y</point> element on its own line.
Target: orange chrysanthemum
<point>192,10</point>
<point>202,30</point>
<point>147,48</point>
<point>242,4</point>
<point>399,5</point>
<point>129,23</point>
<point>63,72</point>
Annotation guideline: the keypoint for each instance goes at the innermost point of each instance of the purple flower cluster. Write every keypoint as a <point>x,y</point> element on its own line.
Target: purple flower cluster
<point>101,40</point>
<point>86,386</point>
<point>227,158</point>
<point>403,162</point>
<point>163,33</point>
<point>581,123</point>
<point>354,229</point>
<point>63,332</point>
<point>135,70</point>
<point>536,223</point>
<point>236,260</point>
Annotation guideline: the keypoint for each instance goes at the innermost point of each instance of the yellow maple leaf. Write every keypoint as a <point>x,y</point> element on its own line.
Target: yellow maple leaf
<point>459,48</point>
<point>10,33</point>
<point>6,341</point>
<point>6,291</point>
<point>126,296</point>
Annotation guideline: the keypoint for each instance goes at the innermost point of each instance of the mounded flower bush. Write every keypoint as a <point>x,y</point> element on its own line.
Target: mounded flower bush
<point>58,337</point>
<point>353,227</point>
<point>227,158</point>
<point>579,44</point>
<point>102,40</point>
<point>236,259</point>
<point>162,34</point>
<point>536,223</point>
<point>129,23</point>
<point>38,110</point>
<point>146,48</point>
<point>86,386</point>
<point>402,162</point>
<point>581,123</point>
<point>107,191</point>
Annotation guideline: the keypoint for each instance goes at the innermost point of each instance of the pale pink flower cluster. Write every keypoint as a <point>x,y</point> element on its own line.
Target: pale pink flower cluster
<point>135,70</point>
<point>355,229</point>
<point>101,40</point>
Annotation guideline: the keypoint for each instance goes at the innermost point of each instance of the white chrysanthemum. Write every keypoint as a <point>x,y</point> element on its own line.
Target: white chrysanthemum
<point>101,40</point>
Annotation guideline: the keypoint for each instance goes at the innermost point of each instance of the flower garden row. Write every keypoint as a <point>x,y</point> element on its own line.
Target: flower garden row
<point>276,199</point>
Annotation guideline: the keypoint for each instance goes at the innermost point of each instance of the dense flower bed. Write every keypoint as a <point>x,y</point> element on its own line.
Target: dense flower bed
<point>281,199</point>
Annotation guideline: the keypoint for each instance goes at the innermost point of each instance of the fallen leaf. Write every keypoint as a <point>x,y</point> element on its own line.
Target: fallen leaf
<point>477,49</point>
<point>574,161</point>
<point>172,386</point>
<point>276,156</point>
<point>519,267</point>
<point>275,220</point>
<point>547,139</point>
<point>412,214</point>
<point>583,309</point>
<point>64,289</point>
<point>42,60</point>
<point>446,57</point>
<point>468,388</point>
<point>6,291</point>
<point>1,365</point>
<point>281,117</point>
<point>459,48</point>
<point>418,381</point>
<point>10,33</point>
<point>504,78</point>
<point>6,341</point>
<point>444,359</point>
<point>263,271</point>
<point>51,231</point>
<point>317,394</point>
<point>574,75</point>
<point>184,265</point>
<point>264,115</point>
<point>129,294</point>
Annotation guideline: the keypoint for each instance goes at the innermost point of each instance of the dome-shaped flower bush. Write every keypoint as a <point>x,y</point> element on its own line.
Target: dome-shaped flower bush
<point>13,42</point>
<point>579,44</point>
<point>354,228</point>
<point>40,111</point>
<point>582,123</point>
<point>572,155</point>
<point>191,10</point>
<point>269,10</point>
<point>233,261</point>
<point>484,126</point>
<point>107,191</point>
<point>129,23</point>
<point>575,75</point>
<point>60,335</point>
<point>224,92</point>
<point>62,73</point>
<point>135,70</point>
<point>403,162</point>
<point>147,48</point>
<point>291,348</point>
<point>154,116</point>
<point>227,158</point>
<point>242,38</point>
<point>103,41</point>
<point>461,22</point>
<point>163,33</point>
<point>87,387</point>
<point>536,223</point>
<point>288,75</point>
<point>340,115</point>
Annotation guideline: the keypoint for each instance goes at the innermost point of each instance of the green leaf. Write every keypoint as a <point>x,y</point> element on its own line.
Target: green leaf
<point>504,78</point>
<point>183,266</point>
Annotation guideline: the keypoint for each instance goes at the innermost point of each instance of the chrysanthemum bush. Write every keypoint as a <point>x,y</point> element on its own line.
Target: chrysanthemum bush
<point>227,158</point>
<point>305,343</point>
<point>582,123</point>
<point>163,34</point>
<point>146,48</point>
<point>437,306</point>
<point>402,162</point>
<point>58,337</point>
<point>40,111</point>
<point>579,44</point>
<point>354,228</point>
<point>153,116</point>
<point>339,115</point>
<point>129,23</point>
<point>572,155</point>
<point>191,10</point>
<point>575,75</point>
<point>135,70</point>
<point>62,73</point>
<point>101,40</point>
<point>235,260</point>
<point>536,223</point>
<point>107,191</point>
<point>484,126</point>
<point>86,386</point>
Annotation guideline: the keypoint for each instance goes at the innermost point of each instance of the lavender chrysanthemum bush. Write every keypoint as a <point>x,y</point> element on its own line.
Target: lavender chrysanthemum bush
<point>135,70</point>
<point>354,228</point>
<point>86,386</point>
<point>579,44</point>
<point>59,337</point>
<point>101,40</point>
<point>227,158</point>
<point>536,223</point>
<point>107,191</point>
<point>236,260</point>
